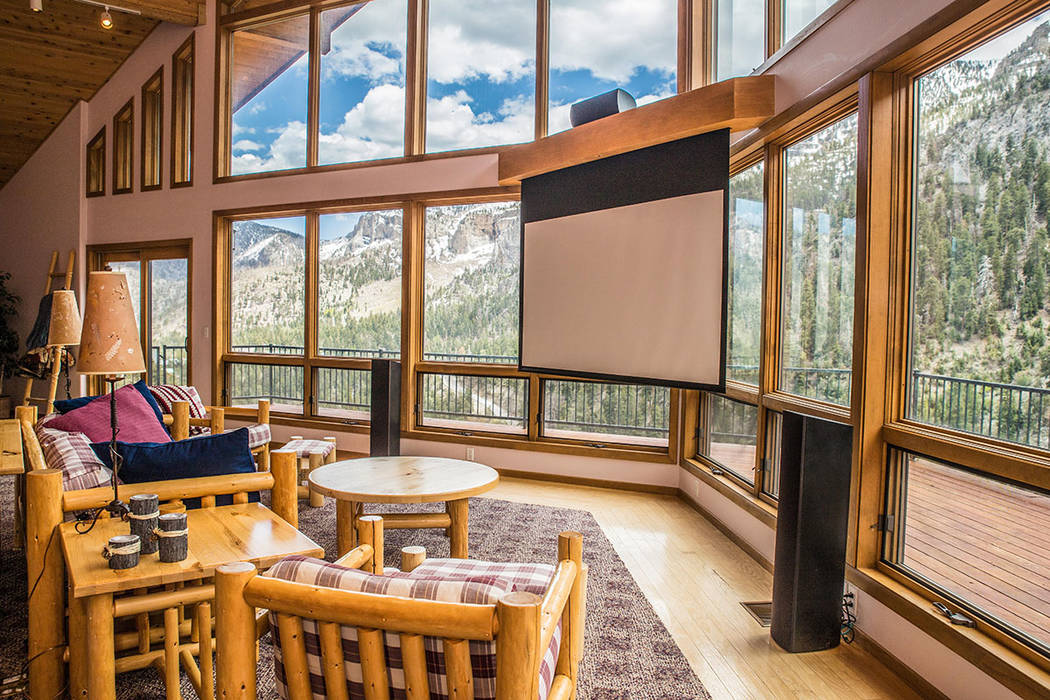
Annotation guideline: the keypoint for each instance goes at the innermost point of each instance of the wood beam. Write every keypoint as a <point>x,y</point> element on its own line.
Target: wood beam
<point>187,12</point>
<point>737,104</point>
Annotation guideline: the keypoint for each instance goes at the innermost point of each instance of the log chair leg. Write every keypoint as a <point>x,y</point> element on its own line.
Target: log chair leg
<point>412,557</point>
<point>171,654</point>
<point>284,500</point>
<point>457,512</point>
<point>316,499</point>
<point>78,662</point>
<point>345,530</point>
<point>235,641</point>
<point>205,657</point>
<point>101,660</point>
<point>45,569</point>
<point>370,532</point>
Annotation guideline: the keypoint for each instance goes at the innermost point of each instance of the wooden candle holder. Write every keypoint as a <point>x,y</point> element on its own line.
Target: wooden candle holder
<point>172,537</point>
<point>145,509</point>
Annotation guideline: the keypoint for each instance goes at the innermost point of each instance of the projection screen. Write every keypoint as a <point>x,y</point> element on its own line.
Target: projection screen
<point>623,271</point>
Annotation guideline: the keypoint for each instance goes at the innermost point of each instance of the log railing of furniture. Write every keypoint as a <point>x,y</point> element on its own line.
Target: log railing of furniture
<point>521,624</point>
<point>46,506</point>
<point>179,422</point>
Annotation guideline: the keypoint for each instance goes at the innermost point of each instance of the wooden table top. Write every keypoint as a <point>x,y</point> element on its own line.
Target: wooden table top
<point>245,532</point>
<point>10,447</point>
<point>403,479</point>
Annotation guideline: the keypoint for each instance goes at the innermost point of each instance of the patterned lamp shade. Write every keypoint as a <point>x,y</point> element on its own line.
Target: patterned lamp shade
<point>109,343</point>
<point>65,319</point>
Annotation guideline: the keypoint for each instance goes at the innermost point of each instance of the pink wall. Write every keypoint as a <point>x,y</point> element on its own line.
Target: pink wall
<point>42,211</point>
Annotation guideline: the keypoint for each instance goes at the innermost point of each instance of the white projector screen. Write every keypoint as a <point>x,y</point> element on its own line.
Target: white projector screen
<point>634,291</point>
<point>623,266</point>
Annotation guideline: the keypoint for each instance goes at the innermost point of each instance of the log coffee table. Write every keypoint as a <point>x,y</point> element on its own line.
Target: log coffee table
<point>354,482</point>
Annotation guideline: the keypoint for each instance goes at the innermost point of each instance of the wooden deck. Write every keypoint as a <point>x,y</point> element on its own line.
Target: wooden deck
<point>985,541</point>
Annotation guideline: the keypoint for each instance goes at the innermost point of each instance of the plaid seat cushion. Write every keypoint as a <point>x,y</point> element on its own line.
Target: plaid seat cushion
<point>168,394</point>
<point>480,584</point>
<point>303,448</point>
<point>72,454</point>
<point>258,434</point>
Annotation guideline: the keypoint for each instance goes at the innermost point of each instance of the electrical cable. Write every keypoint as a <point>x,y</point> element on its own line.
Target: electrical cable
<point>849,619</point>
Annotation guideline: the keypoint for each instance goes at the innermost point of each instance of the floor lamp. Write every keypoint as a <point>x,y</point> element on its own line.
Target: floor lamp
<point>110,348</point>
<point>64,331</point>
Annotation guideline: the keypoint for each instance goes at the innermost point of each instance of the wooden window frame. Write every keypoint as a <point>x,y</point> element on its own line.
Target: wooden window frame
<point>152,145</point>
<point>96,144</point>
<point>412,362</point>
<point>694,46</point>
<point>146,252</point>
<point>124,153</point>
<point>183,109</point>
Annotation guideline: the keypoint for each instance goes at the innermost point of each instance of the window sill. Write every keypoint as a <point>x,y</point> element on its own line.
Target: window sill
<point>238,413</point>
<point>1021,675</point>
<point>725,485</point>
<point>511,442</point>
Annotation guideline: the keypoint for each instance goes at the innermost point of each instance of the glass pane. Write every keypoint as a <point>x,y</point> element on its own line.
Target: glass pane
<point>980,299</point>
<point>771,473</point>
<point>359,284</point>
<point>343,393</point>
<point>269,73</point>
<point>122,143</point>
<point>470,403</point>
<point>132,269</point>
<point>746,243</point>
<point>152,130</point>
<point>471,283</point>
<point>741,37</point>
<point>267,303</point>
<point>481,73</point>
<point>820,209</point>
<point>979,539</point>
<point>281,384</point>
<point>597,46</point>
<point>602,412</point>
<point>799,13</point>
<point>362,101</point>
<point>732,435</point>
<point>169,321</point>
<point>182,107</point>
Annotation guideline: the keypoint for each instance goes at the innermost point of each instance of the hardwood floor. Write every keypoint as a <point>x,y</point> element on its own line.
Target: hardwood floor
<point>695,578</point>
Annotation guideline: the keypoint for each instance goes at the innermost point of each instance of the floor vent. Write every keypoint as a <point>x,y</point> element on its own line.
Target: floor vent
<point>761,611</point>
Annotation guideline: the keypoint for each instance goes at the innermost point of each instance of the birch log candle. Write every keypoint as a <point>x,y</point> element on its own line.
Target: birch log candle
<point>172,537</point>
<point>145,508</point>
<point>122,551</point>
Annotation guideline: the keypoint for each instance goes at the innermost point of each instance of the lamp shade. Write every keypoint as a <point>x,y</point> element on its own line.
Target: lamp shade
<point>109,343</point>
<point>65,319</point>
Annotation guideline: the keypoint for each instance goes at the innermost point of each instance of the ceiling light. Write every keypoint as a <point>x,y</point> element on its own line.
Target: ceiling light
<point>105,19</point>
<point>36,5</point>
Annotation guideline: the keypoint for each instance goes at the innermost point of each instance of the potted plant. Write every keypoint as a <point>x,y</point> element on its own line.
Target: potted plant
<point>8,340</point>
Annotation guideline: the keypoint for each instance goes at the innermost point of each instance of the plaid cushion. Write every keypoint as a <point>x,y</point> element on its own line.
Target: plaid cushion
<point>72,454</point>
<point>168,394</point>
<point>480,584</point>
<point>303,448</point>
<point>258,434</point>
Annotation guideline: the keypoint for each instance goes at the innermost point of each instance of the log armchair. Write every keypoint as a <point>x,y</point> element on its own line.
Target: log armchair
<point>428,632</point>
<point>47,506</point>
<point>185,415</point>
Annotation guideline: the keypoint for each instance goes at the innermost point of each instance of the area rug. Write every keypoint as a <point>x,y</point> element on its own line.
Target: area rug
<point>628,653</point>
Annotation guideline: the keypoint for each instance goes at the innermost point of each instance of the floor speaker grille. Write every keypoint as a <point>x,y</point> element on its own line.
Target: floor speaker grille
<point>761,611</point>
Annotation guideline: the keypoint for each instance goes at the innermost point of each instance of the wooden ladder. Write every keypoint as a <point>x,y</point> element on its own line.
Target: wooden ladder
<point>55,353</point>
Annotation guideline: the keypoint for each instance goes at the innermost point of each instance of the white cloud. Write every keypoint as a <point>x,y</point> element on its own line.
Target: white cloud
<point>611,38</point>
<point>288,150</point>
<point>452,123</point>
<point>247,145</point>
<point>360,46</point>
<point>480,38</point>
<point>374,128</point>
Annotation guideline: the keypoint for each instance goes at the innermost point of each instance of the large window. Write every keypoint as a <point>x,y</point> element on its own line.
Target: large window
<point>819,249</point>
<point>471,283</point>
<point>729,436</point>
<point>746,246</point>
<point>597,46</point>
<point>95,165</point>
<point>158,277</point>
<point>481,73</point>
<point>980,301</point>
<point>601,412</point>
<point>740,37</point>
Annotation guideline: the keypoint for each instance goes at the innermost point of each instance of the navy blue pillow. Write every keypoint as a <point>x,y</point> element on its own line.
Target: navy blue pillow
<point>208,455</point>
<point>67,405</point>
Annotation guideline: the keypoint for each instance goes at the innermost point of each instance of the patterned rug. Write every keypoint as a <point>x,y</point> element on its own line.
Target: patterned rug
<point>628,653</point>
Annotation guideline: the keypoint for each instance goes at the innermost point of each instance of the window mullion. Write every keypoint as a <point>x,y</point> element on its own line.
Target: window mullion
<point>310,312</point>
<point>313,89</point>
<point>543,14</point>
<point>416,78</point>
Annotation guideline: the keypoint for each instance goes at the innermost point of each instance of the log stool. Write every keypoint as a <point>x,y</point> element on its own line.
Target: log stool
<point>311,454</point>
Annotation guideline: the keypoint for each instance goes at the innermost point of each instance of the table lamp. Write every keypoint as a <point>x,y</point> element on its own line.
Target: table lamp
<point>63,331</point>
<point>110,348</point>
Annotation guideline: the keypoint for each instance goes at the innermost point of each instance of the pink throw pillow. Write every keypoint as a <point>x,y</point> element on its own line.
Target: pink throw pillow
<point>136,420</point>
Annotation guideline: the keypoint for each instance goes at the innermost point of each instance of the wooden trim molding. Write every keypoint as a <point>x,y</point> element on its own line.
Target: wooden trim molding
<point>151,145</point>
<point>124,148</point>
<point>183,91</point>
<point>741,497</point>
<point>584,481</point>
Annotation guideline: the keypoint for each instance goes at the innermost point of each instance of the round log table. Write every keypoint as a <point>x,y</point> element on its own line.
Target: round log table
<point>353,482</point>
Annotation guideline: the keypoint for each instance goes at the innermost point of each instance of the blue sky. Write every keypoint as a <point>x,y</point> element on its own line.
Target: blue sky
<point>481,77</point>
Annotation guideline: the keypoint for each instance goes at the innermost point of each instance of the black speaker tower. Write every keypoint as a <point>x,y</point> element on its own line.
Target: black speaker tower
<point>809,567</point>
<point>385,435</point>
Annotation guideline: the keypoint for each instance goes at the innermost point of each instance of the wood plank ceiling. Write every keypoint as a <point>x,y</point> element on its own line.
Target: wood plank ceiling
<point>51,59</point>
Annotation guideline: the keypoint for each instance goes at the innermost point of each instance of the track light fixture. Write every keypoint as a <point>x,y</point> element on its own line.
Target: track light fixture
<point>36,5</point>
<point>105,19</point>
